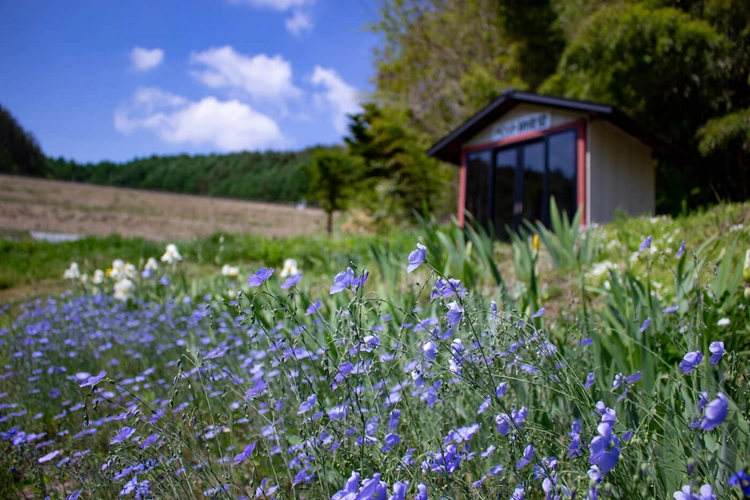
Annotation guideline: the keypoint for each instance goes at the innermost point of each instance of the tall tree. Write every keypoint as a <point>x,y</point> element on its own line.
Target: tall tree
<point>442,60</point>
<point>19,151</point>
<point>333,178</point>
<point>395,166</point>
<point>662,66</point>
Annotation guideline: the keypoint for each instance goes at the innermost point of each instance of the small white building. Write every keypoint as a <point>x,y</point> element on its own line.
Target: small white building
<point>525,148</point>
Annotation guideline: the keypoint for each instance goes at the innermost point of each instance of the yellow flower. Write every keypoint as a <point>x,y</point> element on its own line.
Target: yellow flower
<point>108,272</point>
<point>535,242</point>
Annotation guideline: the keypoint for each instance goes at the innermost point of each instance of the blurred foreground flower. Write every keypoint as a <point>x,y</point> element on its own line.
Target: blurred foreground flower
<point>705,493</point>
<point>742,479</point>
<point>171,254</point>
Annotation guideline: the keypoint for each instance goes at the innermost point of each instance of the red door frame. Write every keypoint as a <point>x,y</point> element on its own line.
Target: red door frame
<point>579,125</point>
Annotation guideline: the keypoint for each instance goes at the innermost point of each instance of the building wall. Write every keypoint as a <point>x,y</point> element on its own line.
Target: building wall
<point>621,173</point>
<point>557,117</point>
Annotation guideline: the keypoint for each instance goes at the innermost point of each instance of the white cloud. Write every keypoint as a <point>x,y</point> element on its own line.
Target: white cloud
<point>145,59</point>
<point>280,5</point>
<point>226,125</point>
<point>260,76</point>
<point>339,97</point>
<point>299,22</point>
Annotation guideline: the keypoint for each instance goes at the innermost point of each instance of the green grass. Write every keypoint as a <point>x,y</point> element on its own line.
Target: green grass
<point>29,267</point>
<point>26,264</point>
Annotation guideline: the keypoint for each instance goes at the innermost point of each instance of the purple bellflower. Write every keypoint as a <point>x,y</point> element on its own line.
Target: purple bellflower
<point>715,413</point>
<point>260,277</point>
<point>717,352</point>
<point>291,281</point>
<point>416,257</point>
<point>690,361</point>
<point>645,244</point>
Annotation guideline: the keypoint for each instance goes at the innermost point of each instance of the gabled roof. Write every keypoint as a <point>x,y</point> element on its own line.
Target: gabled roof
<point>448,149</point>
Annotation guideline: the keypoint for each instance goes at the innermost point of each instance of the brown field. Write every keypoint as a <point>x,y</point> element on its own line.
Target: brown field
<point>28,204</point>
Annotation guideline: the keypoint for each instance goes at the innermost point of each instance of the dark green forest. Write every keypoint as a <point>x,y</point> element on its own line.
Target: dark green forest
<point>266,176</point>
<point>680,67</point>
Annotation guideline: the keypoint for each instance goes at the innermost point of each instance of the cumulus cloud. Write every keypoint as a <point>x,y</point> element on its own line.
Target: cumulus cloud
<point>300,22</point>
<point>279,5</point>
<point>338,96</point>
<point>226,125</point>
<point>146,59</point>
<point>259,76</point>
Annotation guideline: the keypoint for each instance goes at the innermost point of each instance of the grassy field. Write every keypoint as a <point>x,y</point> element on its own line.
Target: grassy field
<point>28,204</point>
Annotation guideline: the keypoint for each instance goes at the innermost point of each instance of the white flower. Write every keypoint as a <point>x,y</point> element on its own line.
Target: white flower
<point>723,322</point>
<point>290,268</point>
<point>122,270</point>
<point>84,278</point>
<point>72,273</point>
<point>98,278</point>
<point>230,271</point>
<point>124,289</point>
<point>151,264</point>
<point>171,254</point>
<point>602,268</point>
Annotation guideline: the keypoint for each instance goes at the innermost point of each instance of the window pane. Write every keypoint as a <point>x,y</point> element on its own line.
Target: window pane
<point>562,171</point>
<point>533,182</point>
<point>505,180</point>
<point>477,186</point>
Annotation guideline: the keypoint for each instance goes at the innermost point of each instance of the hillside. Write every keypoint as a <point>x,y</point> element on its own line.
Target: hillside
<point>28,204</point>
<point>262,176</point>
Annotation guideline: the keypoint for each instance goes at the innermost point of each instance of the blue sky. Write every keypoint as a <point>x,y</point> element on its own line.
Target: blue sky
<point>112,80</point>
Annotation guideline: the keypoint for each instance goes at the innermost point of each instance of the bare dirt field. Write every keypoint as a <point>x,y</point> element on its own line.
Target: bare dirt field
<point>28,204</point>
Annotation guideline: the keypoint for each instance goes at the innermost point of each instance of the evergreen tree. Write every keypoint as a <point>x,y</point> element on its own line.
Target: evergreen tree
<point>19,151</point>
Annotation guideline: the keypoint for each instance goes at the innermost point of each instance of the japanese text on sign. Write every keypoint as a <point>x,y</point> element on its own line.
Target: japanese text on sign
<point>528,123</point>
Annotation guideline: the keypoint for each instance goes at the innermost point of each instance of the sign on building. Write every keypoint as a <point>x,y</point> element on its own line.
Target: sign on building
<point>527,123</point>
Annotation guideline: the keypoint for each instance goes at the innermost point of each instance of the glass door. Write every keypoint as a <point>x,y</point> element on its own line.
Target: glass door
<point>506,167</point>
<point>532,189</point>
<point>505,186</point>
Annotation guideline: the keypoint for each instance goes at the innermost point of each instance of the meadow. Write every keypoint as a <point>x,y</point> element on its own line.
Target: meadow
<point>610,362</point>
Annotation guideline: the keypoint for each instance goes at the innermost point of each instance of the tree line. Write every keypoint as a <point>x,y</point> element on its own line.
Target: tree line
<point>278,176</point>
